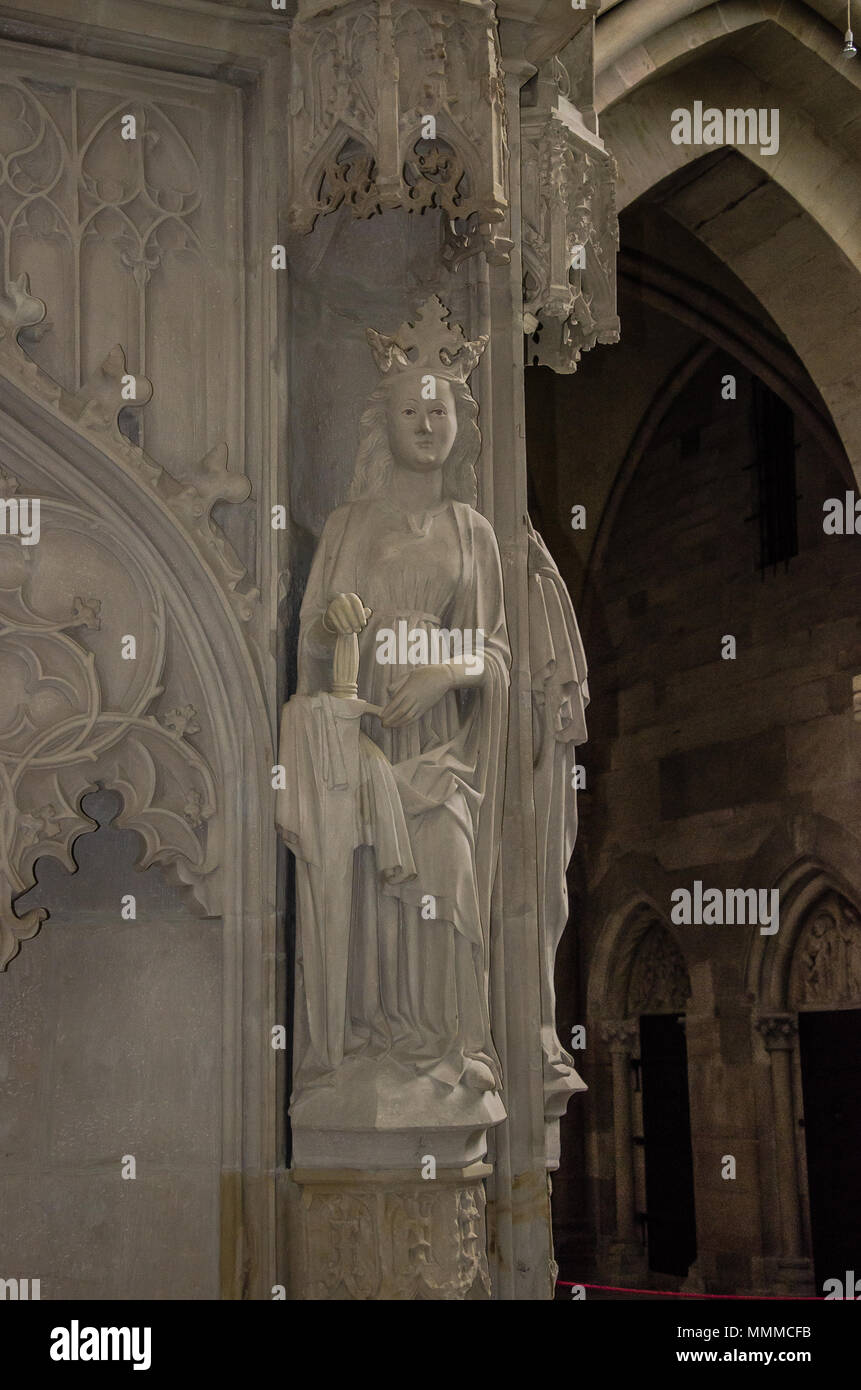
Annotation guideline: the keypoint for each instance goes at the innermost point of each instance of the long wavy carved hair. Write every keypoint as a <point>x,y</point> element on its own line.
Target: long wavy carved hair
<point>374,462</point>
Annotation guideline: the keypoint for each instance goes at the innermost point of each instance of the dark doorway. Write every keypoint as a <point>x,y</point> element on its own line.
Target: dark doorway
<point>831,1080</point>
<point>670,1217</point>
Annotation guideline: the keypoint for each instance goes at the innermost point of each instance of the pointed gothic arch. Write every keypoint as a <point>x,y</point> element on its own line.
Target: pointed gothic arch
<point>638,970</point>
<point>812,964</point>
<point>811,174</point>
<point>102,493</point>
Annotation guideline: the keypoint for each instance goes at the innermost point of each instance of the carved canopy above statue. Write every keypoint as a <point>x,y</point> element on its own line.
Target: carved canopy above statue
<point>401,104</point>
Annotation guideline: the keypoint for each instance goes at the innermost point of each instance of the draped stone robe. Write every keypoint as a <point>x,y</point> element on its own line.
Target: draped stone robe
<point>416,981</point>
<point>560,696</point>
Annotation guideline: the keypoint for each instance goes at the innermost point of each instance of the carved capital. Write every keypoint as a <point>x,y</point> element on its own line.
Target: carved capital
<point>622,1035</point>
<point>779,1031</point>
<point>400,104</point>
<point>570,230</point>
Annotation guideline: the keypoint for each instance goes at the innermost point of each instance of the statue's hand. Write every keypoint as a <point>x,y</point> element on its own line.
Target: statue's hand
<point>346,613</point>
<point>418,693</point>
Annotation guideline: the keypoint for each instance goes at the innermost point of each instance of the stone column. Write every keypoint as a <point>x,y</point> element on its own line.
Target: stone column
<point>625,1250</point>
<point>397,107</point>
<point>780,1034</point>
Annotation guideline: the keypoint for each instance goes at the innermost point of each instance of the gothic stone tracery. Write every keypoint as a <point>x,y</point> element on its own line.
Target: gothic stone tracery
<point>400,104</point>
<point>570,229</point>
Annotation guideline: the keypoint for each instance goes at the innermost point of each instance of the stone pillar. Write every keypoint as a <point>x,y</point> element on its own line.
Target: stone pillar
<point>780,1033</point>
<point>625,1251</point>
<point>622,1037</point>
<point>397,107</point>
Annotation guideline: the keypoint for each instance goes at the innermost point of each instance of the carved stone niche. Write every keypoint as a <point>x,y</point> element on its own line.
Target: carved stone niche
<point>80,707</point>
<point>76,715</point>
<point>659,981</point>
<point>826,964</point>
<point>400,104</point>
<point>570,228</point>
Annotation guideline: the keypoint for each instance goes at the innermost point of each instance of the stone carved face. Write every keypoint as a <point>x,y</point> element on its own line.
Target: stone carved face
<point>421,432</point>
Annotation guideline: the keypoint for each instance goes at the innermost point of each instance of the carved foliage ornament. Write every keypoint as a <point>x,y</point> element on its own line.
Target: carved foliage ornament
<point>779,1031</point>
<point>73,718</point>
<point>621,1035</point>
<point>423,1242</point>
<point>659,980</point>
<point>570,232</point>
<point>95,410</point>
<point>398,104</point>
<point>76,716</point>
<point>826,967</point>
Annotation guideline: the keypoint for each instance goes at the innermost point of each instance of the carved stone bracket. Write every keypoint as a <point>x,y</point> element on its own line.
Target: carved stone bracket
<point>779,1031</point>
<point>570,229</point>
<point>403,1238</point>
<point>94,411</point>
<point>400,104</point>
<point>621,1035</point>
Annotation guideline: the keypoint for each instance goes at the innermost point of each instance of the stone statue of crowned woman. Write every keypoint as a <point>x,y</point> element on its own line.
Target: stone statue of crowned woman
<point>394,798</point>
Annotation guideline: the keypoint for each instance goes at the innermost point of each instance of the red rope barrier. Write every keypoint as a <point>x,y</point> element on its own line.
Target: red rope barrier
<point>669,1293</point>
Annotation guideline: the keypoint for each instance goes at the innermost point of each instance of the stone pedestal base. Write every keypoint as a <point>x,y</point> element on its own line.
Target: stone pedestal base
<point>624,1265</point>
<point>375,1115</point>
<point>795,1278</point>
<point>367,1235</point>
<point>773,1276</point>
<point>694,1282</point>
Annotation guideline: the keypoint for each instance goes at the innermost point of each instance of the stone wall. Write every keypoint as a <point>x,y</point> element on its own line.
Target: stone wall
<point>726,771</point>
<point>110,1038</point>
<point>138,214</point>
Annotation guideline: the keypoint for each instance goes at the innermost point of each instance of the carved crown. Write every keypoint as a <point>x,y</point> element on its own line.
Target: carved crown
<point>431,344</point>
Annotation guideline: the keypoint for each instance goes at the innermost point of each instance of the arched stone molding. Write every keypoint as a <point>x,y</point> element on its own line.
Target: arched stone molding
<point>623,902</point>
<point>722,324</point>
<point>612,959</point>
<point>637,967</point>
<point>643,36</point>
<point>81,468</point>
<point>804,861</point>
<point>823,236</point>
<point>723,327</point>
<point>820,176</point>
<point>813,890</point>
<point>668,392</point>
<point>658,980</point>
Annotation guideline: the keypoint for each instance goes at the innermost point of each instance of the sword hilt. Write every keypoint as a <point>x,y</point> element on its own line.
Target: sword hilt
<point>345,665</point>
